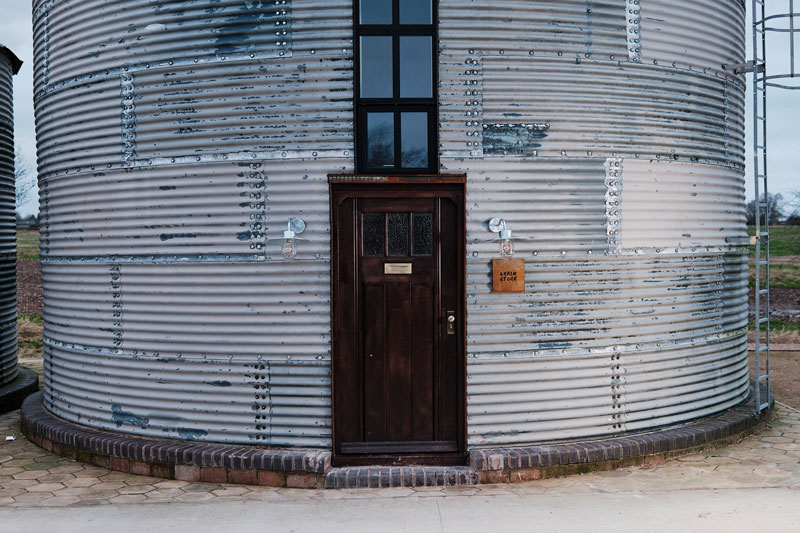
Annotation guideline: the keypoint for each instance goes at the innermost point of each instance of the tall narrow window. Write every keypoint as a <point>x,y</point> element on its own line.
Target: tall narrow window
<point>396,122</point>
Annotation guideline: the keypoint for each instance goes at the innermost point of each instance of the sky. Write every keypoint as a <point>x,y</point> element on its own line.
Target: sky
<point>783,107</point>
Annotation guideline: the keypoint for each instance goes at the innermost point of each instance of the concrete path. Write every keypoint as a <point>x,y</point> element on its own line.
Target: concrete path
<point>753,485</point>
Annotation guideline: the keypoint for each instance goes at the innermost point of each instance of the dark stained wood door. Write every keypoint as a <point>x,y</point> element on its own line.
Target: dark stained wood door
<point>398,302</point>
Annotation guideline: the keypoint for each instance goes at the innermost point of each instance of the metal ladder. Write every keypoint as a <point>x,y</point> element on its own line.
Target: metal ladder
<point>762,307</point>
<point>762,26</point>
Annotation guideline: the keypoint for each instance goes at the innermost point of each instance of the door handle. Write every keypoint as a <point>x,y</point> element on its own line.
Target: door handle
<point>451,322</point>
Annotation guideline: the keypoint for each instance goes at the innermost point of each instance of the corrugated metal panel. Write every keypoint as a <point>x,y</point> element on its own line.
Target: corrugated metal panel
<point>176,139</point>
<point>705,205</point>
<point>715,27</point>
<point>8,230</point>
<point>612,143</point>
<point>604,345</point>
<point>221,399</point>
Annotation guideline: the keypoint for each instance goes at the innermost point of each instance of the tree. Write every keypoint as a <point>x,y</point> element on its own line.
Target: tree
<point>24,179</point>
<point>793,204</point>
<point>773,202</point>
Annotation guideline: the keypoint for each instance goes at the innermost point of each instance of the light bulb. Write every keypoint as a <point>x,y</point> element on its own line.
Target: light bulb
<point>506,244</point>
<point>289,248</point>
<point>506,248</point>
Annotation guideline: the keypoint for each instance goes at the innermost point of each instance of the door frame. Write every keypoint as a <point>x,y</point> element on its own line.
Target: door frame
<point>342,187</point>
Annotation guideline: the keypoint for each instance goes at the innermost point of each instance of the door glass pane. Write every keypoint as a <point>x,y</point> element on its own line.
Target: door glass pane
<point>414,140</point>
<point>376,66</point>
<point>380,140</point>
<point>415,66</point>
<point>422,233</point>
<point>373,234</point>
<point>398,234</point>
<point>375,11</point>
<point>416,12</point>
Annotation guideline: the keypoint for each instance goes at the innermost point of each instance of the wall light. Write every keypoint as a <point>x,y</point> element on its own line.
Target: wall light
<point>499,225</point>
<point>296,226</point>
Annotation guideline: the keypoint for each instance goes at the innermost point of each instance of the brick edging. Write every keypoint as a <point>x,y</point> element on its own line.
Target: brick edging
<point>218,463</point>
<point>13,394</point>
<point>187,461</point>
<point>504,465</point>
<point>379,477</point>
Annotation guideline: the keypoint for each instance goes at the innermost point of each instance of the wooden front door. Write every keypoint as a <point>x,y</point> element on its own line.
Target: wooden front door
<point>398,324</point>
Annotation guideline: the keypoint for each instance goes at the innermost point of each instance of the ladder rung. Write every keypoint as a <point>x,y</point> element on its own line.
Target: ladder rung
<point>762,349</point>
<point>763,291</point>
<point>761,118</point>
<point>763,320</point>
<point>763,406</point>
<point>763,234</point>
<point>765,377</point>
<point>761,176</point>
<point>763,263</point>
<point>761,146</point>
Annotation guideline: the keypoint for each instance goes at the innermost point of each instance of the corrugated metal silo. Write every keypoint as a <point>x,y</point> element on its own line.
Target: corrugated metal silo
<point>9,65</point>
<point>177,138</point>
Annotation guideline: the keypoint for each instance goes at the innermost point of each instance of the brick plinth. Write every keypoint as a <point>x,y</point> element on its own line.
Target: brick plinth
<point>13,394</point>
<point>185,461</point>
<point>217,463</point>
<point>375,477</point>
<point>525,463</point>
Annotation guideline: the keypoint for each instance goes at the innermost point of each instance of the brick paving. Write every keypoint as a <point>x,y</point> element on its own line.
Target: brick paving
<point>33,477</point>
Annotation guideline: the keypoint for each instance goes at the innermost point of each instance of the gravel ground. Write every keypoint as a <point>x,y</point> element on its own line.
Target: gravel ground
<point>29,286</point>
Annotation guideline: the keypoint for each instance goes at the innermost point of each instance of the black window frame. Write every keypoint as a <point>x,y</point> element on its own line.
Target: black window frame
<point>395,104</point>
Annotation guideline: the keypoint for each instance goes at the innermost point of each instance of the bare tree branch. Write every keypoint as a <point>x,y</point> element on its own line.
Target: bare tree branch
<point>24,179</point>
<point>773,203</point>
<point>793,208</point>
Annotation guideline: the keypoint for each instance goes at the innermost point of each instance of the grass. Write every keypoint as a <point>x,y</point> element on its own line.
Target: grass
<point>781,276</point>
<point>27,244</point>
<point>780,332</point>
<point>783,240</point>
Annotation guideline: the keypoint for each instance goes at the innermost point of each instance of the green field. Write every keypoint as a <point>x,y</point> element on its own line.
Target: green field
<point>783,240</point>
<point>784,272</point>
<point>28,244</point>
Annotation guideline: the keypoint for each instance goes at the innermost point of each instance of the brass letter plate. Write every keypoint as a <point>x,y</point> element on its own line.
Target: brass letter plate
<point>508,275</point>
<point>397,268</point>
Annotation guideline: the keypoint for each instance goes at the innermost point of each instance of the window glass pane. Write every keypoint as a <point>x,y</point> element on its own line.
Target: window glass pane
<point>380,140</point>
<point>398,234</point>
<point>416,12</point>
<point>376,66</point>
<point>415,67</point>
<point>375,11</point>
<point>422,233</point>
<point>414,140</point>
<point>373,234</point>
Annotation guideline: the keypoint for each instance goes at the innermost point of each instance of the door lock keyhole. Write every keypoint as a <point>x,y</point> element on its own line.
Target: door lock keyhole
<point>451,322</point>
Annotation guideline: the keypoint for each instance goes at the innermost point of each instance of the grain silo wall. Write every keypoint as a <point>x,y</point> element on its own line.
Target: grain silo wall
<point>8,228</point>
<point>176,138</point>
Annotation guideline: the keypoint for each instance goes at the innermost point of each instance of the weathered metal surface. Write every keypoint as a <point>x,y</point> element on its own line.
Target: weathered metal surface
<point>9,65</point>
<point>609,138</point>
<point>175,141</point>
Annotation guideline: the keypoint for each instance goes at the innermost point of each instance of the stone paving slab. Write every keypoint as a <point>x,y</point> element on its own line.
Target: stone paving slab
<point>31,477</point>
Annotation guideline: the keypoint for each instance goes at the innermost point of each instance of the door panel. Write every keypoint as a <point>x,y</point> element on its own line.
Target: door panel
<point>398,374</point>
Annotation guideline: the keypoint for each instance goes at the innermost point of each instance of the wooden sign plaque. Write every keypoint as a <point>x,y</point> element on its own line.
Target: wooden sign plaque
<point>508,275</point>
